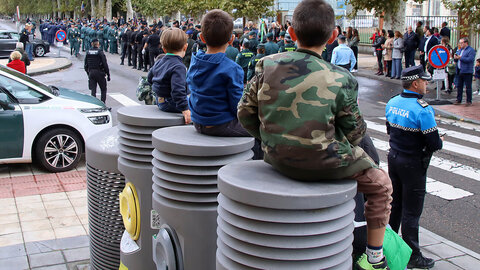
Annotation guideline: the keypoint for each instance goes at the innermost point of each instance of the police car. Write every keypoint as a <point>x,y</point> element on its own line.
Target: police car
<point>46,124</point>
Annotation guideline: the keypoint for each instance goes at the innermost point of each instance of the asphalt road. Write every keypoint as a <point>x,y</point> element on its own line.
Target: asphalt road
<point>453,201</point>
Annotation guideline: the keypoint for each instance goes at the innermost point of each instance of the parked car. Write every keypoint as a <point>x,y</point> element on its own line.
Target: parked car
<point>46,124</point>
<point>8,40</point>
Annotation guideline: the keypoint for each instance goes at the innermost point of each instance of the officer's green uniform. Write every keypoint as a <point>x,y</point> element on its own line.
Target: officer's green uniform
<point>231,52</point>
<point>73,36</point>
<point>271,48</point>
<point>253,44</point>
<point>289,47</point>
<point>105,37</point>
<point>112,39</point>
<point>83,37</point>
<point>243,58</point>
<point>251,65</point>
<point>93,35</point>
<point>100,38</point>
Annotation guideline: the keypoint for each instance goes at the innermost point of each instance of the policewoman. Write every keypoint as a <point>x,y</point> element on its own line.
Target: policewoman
<point>413,139</point>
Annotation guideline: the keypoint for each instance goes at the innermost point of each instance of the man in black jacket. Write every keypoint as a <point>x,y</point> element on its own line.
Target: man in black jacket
<point>377,44</point>
<point>445,31</point>
<point>410,43</point>
<point>428,42</point>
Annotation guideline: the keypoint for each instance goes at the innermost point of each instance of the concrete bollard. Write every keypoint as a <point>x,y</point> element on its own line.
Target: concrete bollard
<point>104,183</point>
<point>185,192</point>
<point>268,221</point>
<point>136,125</point>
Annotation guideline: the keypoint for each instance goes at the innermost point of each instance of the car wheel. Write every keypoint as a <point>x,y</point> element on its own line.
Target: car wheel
<point>39,51</point>
<point>59,150</point>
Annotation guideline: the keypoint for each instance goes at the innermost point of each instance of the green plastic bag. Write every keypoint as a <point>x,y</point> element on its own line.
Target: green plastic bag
<point>396,250</point>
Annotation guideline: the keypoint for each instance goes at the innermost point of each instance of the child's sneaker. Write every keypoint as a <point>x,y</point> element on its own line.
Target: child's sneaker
<point>363,264</point>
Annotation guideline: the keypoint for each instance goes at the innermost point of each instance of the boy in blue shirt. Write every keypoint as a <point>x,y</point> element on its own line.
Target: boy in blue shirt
<point>216,82</point>
<point>167,76</point>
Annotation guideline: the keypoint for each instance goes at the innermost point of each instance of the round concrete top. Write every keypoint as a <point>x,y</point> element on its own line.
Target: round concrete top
<point>102,150</point>
<point>186,141</point>
<point>256,183</point>
<point>148,116</point>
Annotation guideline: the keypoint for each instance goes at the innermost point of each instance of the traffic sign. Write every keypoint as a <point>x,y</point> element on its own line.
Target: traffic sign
<point>438,56</point>
<point>60,36</point>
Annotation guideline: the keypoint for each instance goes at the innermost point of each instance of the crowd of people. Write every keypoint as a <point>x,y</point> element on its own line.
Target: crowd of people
<point>391,47</point>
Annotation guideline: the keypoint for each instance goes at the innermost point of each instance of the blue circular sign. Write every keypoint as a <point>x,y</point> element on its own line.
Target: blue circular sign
<point>438,56</point>
<point>60,35</point>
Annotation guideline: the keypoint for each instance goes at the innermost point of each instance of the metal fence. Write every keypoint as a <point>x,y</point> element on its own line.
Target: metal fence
<point>366,25</point>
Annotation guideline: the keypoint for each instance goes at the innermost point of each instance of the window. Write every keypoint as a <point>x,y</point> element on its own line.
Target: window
<point>23,93</point>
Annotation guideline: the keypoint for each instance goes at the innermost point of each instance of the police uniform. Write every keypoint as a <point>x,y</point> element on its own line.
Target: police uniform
<point>96,67</point>
<point>413,138</point>
<point>243,58</point>
<point>271,47</point>
<point>254,60</point>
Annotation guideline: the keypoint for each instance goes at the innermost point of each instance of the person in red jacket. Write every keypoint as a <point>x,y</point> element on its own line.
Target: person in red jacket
<point>16,63</point>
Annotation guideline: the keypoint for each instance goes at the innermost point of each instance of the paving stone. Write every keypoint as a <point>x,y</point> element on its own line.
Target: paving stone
<point>466,262</point>
<point>430,255</point>
<point>77,254</point>
<point>426,240</point>
<point>45,259</point>
<point>73,242</point>
<point>12,251</point>
<point>443,250</point>
<point>15,263</point>
<point>445,265</point>
<point>52,267</point>
<point>85,265</point>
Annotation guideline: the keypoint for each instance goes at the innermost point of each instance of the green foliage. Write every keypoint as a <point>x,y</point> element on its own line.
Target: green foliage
<point>379,7</point>
<point>471,14</point>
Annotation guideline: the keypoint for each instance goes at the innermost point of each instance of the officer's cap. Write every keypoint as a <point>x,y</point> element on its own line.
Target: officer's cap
<point>415,72</point>
<point>282,33</point>
<point>94,40</point>
<point>251,33</point>
<point>246,43</point>
<point>261,46</point>
<point>270,35</point>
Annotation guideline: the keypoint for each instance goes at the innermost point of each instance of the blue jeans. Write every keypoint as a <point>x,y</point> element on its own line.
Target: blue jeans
<point>168,105</point>
<point>397,68</point>
<point>464,79</point>
<point>29,50</point>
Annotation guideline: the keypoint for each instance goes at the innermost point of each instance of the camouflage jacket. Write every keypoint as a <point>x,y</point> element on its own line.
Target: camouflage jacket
<point>305,112</point>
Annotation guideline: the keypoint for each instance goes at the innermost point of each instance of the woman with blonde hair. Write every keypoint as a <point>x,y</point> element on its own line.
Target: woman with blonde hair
<point>16,63</point>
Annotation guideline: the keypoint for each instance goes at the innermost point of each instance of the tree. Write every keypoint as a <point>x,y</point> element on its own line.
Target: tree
<point>469,11</point>
<point>393,11</point>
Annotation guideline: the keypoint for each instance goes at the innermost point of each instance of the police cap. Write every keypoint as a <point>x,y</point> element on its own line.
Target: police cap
<point>282,33</point>
<point>261,46</point>
<point>251,33</point>
<point>270,35</point>
<point>415,72</point>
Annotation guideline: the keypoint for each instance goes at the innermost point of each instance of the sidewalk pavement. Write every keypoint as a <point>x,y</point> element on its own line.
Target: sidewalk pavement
<point>367,67</point>
<point>43,65</point>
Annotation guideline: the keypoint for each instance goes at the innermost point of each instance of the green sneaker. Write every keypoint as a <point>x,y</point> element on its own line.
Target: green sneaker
<point>363,264</point>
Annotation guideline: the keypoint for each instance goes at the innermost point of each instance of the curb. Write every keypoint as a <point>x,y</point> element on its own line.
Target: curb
<point>450,243</point>
<point>447,114</point>
<point>59,67</point>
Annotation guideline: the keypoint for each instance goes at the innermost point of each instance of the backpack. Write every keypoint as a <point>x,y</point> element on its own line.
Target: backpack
<point>451,68</point>
<point>144,91</point>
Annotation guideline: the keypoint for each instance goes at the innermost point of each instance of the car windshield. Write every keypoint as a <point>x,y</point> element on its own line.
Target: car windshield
<point>27,79</point>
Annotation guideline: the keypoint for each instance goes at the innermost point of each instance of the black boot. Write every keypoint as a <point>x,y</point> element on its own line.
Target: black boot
<point>419,261</point>
<point>121,63</point>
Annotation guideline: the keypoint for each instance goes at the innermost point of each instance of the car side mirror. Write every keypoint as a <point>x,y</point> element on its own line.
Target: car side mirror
<point>4,104</point>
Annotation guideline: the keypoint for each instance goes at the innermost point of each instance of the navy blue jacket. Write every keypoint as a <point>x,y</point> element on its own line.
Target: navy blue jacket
<point>411,125</point>
<point>410,41</point>
<point>467,61</point>
<point>168,79</point>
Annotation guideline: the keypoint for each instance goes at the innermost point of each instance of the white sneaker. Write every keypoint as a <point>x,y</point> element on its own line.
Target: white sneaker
<point>354,70</point>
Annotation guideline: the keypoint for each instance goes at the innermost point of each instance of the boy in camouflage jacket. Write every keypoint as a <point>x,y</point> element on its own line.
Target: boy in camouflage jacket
<point>305,112</point>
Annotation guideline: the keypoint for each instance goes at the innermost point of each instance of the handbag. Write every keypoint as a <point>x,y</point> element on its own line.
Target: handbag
<point>396,250</point>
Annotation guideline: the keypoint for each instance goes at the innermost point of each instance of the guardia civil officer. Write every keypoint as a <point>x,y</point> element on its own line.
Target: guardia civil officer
<point>97,68</point>
<point>413,139</point>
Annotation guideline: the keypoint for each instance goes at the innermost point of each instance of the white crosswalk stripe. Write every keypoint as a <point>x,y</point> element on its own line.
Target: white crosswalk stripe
<point>435,187</point>
<point>124,100</point>
<point>449,146</point>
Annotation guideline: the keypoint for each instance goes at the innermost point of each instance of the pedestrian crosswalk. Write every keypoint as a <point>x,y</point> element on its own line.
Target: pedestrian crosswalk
<point>435,186</point>
<point>124,100</point>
